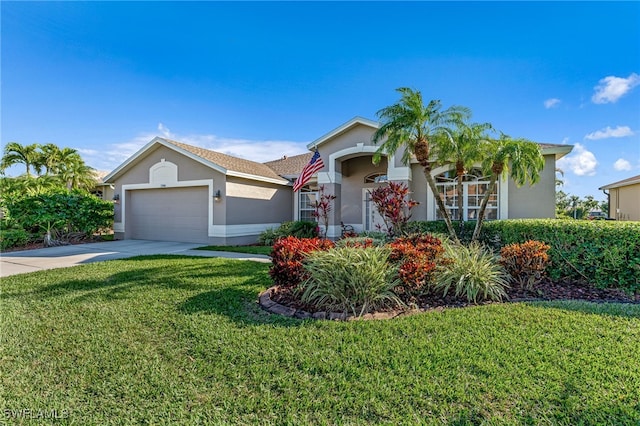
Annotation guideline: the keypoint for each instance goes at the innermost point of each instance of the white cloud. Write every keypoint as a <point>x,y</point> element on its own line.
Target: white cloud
<point>552,103</point>
<point>608,132</point>
<point>581,162</point>
<point>256,150</point>
<point>622,165</point>
<point>612,88</point>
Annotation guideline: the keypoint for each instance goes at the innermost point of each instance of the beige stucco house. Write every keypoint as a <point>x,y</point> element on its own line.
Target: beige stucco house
<point>624,199</point>
<point>173,191</point>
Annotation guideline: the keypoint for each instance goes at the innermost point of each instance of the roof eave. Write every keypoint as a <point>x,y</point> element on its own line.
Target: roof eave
<point>341,129</point>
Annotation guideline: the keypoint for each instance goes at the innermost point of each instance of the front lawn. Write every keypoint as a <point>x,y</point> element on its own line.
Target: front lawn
<point>181,340</point>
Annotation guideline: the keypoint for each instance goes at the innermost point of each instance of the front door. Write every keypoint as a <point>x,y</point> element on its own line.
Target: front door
<point>372,221</point>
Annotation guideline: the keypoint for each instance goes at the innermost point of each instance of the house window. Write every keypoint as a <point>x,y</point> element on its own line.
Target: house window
<point>474,187</point>
<point>306,200</point>
<point>376,178</point>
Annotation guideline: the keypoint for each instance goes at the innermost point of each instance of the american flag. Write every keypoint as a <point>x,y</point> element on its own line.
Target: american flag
<point>312,167</point>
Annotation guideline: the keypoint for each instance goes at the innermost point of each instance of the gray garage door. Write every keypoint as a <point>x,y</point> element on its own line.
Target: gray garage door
<point>171,214</point>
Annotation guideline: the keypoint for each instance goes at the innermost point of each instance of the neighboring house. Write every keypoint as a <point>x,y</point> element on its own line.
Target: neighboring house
<point>173,191</point>
<point>624,199</point>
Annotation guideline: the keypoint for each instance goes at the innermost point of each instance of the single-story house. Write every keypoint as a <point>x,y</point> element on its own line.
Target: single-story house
<point>624,199</point>
<point>177,192</point>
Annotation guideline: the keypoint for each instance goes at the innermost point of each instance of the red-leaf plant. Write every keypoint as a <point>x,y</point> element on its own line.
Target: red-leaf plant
<point>322,207</point>
<point>287,256</point>
<point>394,206</point>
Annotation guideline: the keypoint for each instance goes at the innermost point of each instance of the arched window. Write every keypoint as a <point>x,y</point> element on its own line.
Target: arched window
<point>474,186</point>
<point>376,178</point>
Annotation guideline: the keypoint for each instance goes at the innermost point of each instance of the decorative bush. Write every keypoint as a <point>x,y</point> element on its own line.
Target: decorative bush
<point>67,213</point>
<point>416,257</point>
<point>298,229</point>
<point>13,237</point>
<point>348,279</point>
<point>473,272</point>
<point>392,202</point>
<point>287,255</point>
<point>601,253</point>
<point>526,262</point>
<point>359,242</point>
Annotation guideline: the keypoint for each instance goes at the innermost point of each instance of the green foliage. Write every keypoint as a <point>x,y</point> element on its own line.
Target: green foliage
<point>601,253</point>
<point>13,237</point>
<point>66,212</point>
<point>183,341</point>
<point>354,280</point>
<point>526,262</point>
<point>472,271</point>
<point>439,228</point>
<point>298,229</point>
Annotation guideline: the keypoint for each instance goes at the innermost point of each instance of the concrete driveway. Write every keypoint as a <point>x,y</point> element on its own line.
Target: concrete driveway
<point>19,262</point>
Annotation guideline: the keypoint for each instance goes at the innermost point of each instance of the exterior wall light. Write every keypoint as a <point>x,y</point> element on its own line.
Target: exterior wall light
<point>217,196</point>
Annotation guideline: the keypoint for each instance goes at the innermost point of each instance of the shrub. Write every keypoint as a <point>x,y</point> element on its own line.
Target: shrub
<point>13,237</point>
<point>473,272</point>
<point>392,202</point>
<point>354,280</point>
<point>299,229</point>
<point>67,212</point>
<point>360,242</point>
<point>526,262</point>
<point>599,252</point>
<point>416,257</point>
<point>287,255</point>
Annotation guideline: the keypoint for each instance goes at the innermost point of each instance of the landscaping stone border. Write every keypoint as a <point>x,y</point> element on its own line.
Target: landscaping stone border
<point>265,302</point>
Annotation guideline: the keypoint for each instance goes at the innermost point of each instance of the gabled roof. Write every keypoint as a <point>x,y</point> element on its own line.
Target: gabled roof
<point>290,166</point>
<point>626,182</point>
<point>547,148</point>
<point>356,121</point>
<point>223,163</point>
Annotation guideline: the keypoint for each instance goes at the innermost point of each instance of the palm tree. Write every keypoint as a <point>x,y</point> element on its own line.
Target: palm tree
<point>521,159</point>
<point>462,147</point>
<point>15,153</point>
<point>409,124</point>
<point>74,173</point>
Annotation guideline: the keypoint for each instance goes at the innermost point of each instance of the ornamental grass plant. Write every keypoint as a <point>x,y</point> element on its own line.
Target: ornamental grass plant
<point>353,280</point>
<point>472,271</point>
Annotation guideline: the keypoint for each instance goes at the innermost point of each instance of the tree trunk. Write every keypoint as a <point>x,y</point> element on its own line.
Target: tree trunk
<point>483,206</point>
<point>460,173</point>
<point>440,204</point>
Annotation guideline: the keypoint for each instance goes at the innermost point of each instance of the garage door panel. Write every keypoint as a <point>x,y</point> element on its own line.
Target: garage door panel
<point>170,214</point>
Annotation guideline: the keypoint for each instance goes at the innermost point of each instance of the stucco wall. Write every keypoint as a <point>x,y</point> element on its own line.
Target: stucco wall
<point>625,202</point>
<point>537,201</point>
<point>256,202</point>
<point>354,171</point>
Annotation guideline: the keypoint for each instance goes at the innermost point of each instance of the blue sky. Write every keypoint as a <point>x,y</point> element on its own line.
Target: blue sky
<point>261,80</point>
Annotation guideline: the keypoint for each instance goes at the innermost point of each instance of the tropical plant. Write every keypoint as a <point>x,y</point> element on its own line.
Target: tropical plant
<point>526,262</point>
<point>350,280</point>
<point>410,124</point>
<point>521,159</point>
<point>417,257</point>
<point>322,208</point>
<point>462,147</point>
<point>287,256</point>
<point>27,155</point>
<point>392,202</point>
<point>472,272</point>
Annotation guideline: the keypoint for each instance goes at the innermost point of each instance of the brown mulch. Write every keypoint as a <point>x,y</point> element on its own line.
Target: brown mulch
<point>545,290</point>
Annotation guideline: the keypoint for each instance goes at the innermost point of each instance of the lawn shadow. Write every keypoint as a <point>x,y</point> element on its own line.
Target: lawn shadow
<point>625,310</point>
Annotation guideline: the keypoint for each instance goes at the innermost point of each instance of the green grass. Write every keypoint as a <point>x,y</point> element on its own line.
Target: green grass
<point>181,340</point>
<point>266,250</point>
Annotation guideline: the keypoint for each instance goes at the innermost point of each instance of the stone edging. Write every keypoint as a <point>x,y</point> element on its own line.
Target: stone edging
<point>265,302</point>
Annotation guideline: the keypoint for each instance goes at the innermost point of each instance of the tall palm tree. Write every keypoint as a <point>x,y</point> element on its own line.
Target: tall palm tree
<point>462,147</point>
<point>409,124</point>
<point>521,159</point>
<point>16,153</point>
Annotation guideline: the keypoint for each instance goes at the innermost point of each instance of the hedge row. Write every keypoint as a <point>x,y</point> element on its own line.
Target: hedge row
<point>602,253</point>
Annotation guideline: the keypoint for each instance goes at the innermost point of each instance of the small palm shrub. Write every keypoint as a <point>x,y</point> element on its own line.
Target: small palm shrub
<point>526,262</point>
<point>416,257</point>
<point>473,272</point>
<point>287,255</point>
<point>348,279</point>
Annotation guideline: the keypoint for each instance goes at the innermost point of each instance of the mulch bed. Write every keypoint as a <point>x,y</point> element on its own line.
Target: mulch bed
<point>546,290</point>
